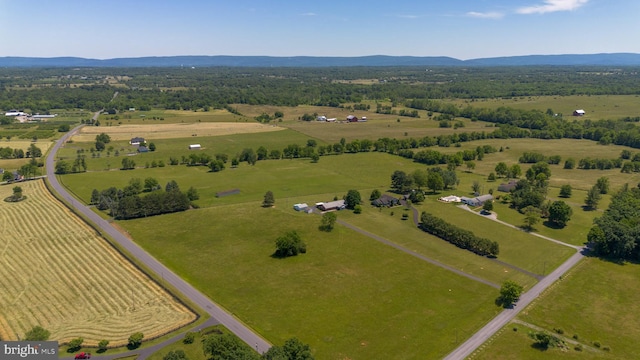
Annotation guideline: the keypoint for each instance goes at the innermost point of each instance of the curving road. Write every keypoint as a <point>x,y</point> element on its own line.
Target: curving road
<point>188,291</point>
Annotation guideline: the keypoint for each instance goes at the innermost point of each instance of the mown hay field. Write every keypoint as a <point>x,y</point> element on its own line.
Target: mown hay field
<point>172,131</point>
<point>58,273</point>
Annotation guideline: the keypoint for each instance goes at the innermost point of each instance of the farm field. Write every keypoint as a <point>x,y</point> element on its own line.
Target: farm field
<point>172,131</point>
<point>157,116</point>
<point>59,274</point>
<point>566,148</point>
<point>597,107</point>
<point>586,302</point>
<point>348,296</point>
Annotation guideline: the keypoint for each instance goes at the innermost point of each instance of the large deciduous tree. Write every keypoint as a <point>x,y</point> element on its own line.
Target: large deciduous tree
<point>560,213</point>
<point>269,199</point>
<point>328,221</point>
<point>510,292</point>
<point>290,244</point>
<point>352,199</point>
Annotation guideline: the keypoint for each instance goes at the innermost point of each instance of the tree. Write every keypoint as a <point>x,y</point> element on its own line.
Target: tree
<point>192,194</point>
<point>17,193</point>
<point>401,182</point>
<point>560,213</point>
<point>290,244</point>
<point>75,344</point>
<point>501,169</point>
<point>593,197</point>
<point>7,176</point>
<point>435,181</point>
<point>37,333</point>
<point>102,345</point>
<point>189,337</point>
<point>420,178</point>
<point>510,292</point>
<point>269,199</point>
<point>352,199</point>
<point>565,191</point>
<point>475,187</point>
<point>34,151</point>
<point>416,196</point>
<point>152,147</point>
<point>227,346</point>
<point>375,194</point>
<point>151,184</point>
<point>296,349</point>
<point>491,177</point>
<point>328,221</point>
<point>172,186</point>
<point>100,146</point>
<point>128,164</point>
<point>531,216</point>
<point>487,206</point>
<point>540,167</point>
<point>63,167</point>
<point>135,340</point>
<point>175,355</point>
<point>514,171</point>
<point>95,197</point>
<point>470,165</point>
<point>603,184</point>
<point>104,138</point>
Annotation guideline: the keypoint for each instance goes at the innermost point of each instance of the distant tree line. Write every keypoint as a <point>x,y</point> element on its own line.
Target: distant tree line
<point>459,237</point>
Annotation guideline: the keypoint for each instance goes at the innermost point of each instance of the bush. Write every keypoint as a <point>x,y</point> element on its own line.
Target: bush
<point>135,340</point>
<point>357,209</point>
<point>189,337</point>
<point>559,331</point>
<point>596,344</point>
<point>575,336</point>
<point>290,244</point>
<point>578,347</point>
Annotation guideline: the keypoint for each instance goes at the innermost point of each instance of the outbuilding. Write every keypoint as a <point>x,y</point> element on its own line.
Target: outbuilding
<point>300,207</point>
<point>579,112</point>
<point>195,147</point>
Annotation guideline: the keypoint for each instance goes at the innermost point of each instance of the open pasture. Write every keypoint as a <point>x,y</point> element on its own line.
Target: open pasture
<point>172,131</point>
<point>332,175</point>
<point>377,125</point>
<point>349,296</point>
<point>566,148</point>
<point>161,116</point>
<point>597,107</point>
<point>517,248</point>
<point>596,300</point>
<point>58,273</point>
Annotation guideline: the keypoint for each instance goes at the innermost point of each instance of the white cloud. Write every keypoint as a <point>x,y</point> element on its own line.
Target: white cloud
<point>308,14</point>
<point>552,6</point>
<point>485,15</point>
<point>408,16</point>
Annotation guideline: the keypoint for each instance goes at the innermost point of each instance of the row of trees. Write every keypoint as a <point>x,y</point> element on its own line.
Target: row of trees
<point>459,237</point>
<point>127,204</point>
<point>434,178</point>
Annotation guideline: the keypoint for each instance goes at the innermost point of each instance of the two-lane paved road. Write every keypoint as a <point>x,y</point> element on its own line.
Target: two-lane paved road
<point>222,316</point>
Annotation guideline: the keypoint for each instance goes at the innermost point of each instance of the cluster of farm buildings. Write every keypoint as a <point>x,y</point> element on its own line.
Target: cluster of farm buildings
<point>350,118</point>
<point>22,116</point>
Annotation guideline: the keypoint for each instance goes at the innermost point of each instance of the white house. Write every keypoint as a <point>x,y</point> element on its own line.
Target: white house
<point>194,147</point>
<point>300,207</point>
<point>15,113</point>
<point>579,112</point>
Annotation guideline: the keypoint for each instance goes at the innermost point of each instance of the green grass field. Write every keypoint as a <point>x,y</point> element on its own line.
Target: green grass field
<point>596,106</point>
<point>349,296</point>
<point>597,301</point>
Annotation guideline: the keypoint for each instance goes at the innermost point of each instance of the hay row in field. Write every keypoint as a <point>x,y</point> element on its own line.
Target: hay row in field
<point>57,273</point>
<point>172,131</point>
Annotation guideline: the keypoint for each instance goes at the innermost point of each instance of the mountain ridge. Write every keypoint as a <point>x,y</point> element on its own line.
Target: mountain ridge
<point>602,59</point>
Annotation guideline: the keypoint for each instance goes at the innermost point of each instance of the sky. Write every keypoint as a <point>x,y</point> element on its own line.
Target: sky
<point>463,29</point>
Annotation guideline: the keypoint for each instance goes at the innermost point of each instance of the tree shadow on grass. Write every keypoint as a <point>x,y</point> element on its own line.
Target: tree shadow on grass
<point>552,225</point>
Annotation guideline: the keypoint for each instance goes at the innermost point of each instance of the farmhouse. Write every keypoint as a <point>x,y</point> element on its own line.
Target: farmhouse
<point>194,147</point>
<point>386,200</point>
<point>352,118</point>
<point>476,201</point>
<point>333,205</point>
<point>321,118</point>
<point>578,112</point>
<point>136,141</point>
<point>508,186</point>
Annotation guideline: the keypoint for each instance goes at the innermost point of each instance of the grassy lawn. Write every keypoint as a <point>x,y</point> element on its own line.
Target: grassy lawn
<point>514,343</point>
<point>349,296</point>
<point>598,301</point>
<point>333,175</point>
<point>403,232</point>
<point>516,247</point>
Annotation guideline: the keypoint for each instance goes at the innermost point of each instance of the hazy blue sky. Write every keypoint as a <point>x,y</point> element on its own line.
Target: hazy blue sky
<point>462,29</point>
